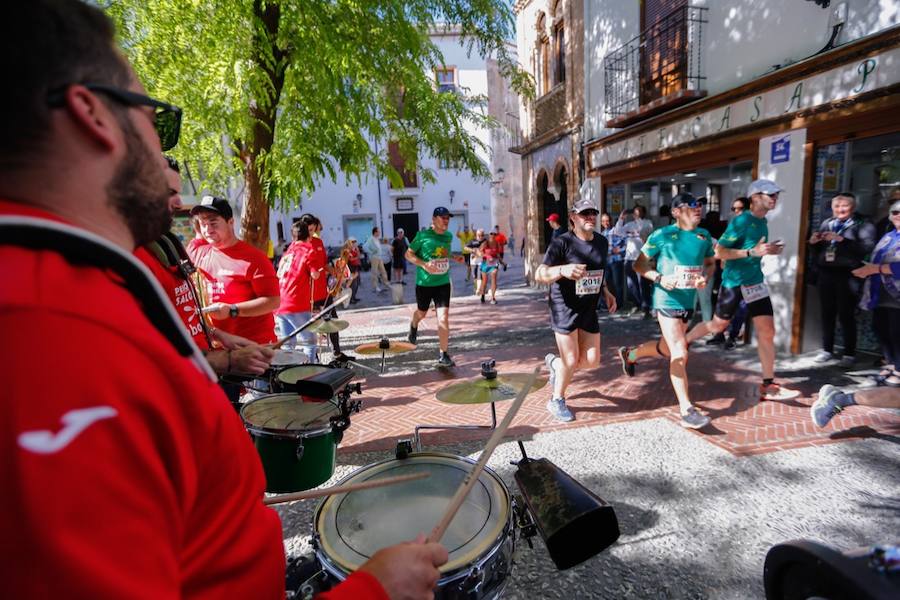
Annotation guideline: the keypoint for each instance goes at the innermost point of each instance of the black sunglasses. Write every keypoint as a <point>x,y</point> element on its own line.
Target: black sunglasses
<point>894,213</point>
<point>166,120</point>
<point>588,213</point>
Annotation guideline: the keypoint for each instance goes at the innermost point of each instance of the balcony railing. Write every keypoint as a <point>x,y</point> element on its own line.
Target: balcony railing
<point>660,68</point>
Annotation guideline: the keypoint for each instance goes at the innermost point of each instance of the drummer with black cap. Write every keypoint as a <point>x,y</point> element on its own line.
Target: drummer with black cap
<point>574,269</point>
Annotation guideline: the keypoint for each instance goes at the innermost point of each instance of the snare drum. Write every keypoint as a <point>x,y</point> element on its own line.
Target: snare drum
<point>296,440</point>
<point>289,379</point>
<point>351,527</point>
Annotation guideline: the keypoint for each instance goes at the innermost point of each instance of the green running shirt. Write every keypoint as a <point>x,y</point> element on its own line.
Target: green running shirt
<point>429,245</point>
<point>678,252</point>
<point>743,232</point>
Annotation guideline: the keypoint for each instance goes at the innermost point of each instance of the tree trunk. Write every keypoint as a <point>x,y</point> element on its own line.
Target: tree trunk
<point>255,220</point>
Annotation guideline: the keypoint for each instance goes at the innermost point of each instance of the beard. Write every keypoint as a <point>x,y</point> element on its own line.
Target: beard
<point>138,190</point>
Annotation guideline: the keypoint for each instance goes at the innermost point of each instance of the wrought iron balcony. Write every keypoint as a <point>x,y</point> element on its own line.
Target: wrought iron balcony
<point>659,69</point>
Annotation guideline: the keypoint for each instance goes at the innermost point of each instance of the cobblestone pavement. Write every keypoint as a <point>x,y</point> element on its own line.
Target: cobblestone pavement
<point>697,510</point>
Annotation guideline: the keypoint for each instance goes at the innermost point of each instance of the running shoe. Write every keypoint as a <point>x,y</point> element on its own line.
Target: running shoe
<point>830,402</point>
<point>445,361</point>
<point>627,365</point>
<point>694,419</point>
<point>548,360</point>
<point>719,338</point>
<point>730,344</point>
<point>413,334</point>
<point>557,407</point>
<point>823,356</point>
<point>848,361</point>
<point>493,301</point>
<point>773,391</point>
<point>482,298</point>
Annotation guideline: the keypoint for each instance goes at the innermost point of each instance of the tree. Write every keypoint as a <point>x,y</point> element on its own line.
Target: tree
<point>286,92</point>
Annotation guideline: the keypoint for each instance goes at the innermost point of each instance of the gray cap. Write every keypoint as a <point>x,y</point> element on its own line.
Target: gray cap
<point>763,186</point>
<point>583,205</point>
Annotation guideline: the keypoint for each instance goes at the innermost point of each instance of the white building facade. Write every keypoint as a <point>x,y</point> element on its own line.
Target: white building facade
<point>350,208</point>
<point>705,96</point>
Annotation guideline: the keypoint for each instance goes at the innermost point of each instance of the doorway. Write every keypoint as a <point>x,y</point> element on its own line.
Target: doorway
<point>408,222</point>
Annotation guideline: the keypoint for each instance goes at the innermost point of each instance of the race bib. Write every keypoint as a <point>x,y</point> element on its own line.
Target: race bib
<point>752,293</point>
<point>590,283</point>
<point>686,277</point>
<point>441,265</point>
<point>830,253</point>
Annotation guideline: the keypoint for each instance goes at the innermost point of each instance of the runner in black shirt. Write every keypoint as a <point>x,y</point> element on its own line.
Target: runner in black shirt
<point>573,267</point>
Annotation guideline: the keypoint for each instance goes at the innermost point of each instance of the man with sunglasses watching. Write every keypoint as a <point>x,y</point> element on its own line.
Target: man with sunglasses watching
<point>742,247</point>
<point>683,253</point>
<point>154,478</point>
<point>574,269</point>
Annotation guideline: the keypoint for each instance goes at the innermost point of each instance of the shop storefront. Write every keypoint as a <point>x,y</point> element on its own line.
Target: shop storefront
<point>816,127</point>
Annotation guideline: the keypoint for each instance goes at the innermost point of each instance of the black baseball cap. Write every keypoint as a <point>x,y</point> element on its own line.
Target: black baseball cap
<point>441,211</point>
<point>685,198</point>
<point>216,205</point>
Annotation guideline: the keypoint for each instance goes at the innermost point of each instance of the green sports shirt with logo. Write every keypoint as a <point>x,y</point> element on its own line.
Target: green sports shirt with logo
<point>743,233</point>
<point>432,246</point>
<point>678,252</point>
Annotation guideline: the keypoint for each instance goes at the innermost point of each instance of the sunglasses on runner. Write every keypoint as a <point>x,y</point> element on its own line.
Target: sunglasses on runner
<point>166,118</point>
<point>588,213</point>
<point>691,204</point>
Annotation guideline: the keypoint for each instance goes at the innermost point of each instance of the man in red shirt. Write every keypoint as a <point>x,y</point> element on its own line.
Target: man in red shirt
<point>156,486</point>
<point>241,284</point>
<point>502,240</point>
<point>167,260</point>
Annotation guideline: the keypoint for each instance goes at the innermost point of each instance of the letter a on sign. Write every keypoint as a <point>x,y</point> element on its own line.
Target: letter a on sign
<point>781,150</point>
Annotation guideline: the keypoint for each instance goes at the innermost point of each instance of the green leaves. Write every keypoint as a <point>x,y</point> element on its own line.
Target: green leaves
<point>301,96</point>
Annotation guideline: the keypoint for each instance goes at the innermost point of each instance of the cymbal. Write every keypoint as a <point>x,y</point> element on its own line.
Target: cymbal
<point>393,347</point>
<point>329,326</point>
<point>482,391</point>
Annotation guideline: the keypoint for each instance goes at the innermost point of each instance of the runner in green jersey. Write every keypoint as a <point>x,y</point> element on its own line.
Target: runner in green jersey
<point>742,246</point>
<point>430,252</point>
<point>684,262</point>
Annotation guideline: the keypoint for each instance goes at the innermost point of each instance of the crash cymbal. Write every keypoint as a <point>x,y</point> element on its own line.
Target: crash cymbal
<point>482,391</point>
<point>329,326</point>
<point>387,346</point>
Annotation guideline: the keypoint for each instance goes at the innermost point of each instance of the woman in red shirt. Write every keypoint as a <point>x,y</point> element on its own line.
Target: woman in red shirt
<point>490,262</point>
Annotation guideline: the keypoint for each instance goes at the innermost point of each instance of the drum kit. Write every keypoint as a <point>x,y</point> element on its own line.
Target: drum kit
<point>351,524</point>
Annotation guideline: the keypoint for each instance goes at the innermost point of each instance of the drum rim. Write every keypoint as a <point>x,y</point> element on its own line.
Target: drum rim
<point>461,564</point>
<point>293,434</point>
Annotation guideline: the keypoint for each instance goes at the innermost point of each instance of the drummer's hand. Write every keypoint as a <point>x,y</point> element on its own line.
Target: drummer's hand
<point>218,310</point>
<point>229,341</point>
<point>573,271</point>
<point>253,359</point>
<point>408,571</point>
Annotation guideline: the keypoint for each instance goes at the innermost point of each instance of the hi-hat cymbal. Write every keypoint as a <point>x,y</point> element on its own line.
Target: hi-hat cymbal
<point>482,391</point>
<point>392,347</point>
<point>329,326</point>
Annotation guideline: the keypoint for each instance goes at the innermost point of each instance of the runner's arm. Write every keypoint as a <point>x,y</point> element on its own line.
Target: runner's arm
<point>644,266</point>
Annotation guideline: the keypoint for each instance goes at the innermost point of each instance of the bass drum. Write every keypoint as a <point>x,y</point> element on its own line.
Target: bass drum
<point>350,528</point>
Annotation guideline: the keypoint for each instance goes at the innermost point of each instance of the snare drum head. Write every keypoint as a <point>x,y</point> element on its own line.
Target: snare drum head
<point>352,527</point>
<point>287,412</point>
<point>299,372</point>
<point>284,357</point>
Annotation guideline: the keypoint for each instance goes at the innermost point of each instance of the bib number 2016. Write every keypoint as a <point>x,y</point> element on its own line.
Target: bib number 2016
<point>590,283</point>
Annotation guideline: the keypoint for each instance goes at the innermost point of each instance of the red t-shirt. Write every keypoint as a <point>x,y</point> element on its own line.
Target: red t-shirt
<point>501,240</point>
<point>236,274</point>
<point>318,259</point>
<point>179,292</point>
<point>294,279</point>
<point>126,472</point>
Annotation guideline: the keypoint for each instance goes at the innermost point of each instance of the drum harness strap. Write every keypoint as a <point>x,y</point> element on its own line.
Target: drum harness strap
<point>171,253</point>
<point>82,247</point>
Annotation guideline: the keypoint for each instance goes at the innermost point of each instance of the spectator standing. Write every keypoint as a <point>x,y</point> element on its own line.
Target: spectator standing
<point>635,233</point>
<point>399,246</point>
<point>373,249</point>
<point>555,225</point>
<point>466,235</point>
<point>614,259</point>
<point>881,294</point>
<point>840,245</point>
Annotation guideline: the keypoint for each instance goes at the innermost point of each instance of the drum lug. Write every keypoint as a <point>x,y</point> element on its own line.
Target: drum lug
<point>471,585</point>
<point>523,521</point>
<point>404,449</point>
<point>300,449</point>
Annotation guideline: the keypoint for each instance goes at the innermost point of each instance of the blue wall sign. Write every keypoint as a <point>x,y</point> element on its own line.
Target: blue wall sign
<point>781,150</point>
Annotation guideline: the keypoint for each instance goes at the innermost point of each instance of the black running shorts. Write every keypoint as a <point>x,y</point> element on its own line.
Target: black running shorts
<point>565,320</point>
<point>677,313</point>
<point>730,298</point>
<point>440,294</point>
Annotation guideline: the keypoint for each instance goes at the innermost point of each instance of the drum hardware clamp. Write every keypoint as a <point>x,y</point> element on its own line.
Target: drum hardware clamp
<point>404,448</point>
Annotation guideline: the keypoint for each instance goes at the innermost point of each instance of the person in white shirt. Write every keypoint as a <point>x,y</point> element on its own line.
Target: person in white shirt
<point>373,249</point>
<point>635,233</point>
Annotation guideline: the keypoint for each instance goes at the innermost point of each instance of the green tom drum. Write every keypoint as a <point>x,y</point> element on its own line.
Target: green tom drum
<point>295,438</point>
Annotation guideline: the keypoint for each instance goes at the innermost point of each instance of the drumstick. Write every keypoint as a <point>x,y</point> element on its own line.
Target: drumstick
<point>343,297</point>
<point>469,482</point>
<point>343,489</point>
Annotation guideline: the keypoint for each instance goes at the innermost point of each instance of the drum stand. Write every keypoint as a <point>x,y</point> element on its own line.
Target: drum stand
<point>488,371</point>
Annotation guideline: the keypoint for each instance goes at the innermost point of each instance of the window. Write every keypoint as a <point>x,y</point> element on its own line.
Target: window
<point>559,52</point>
<point>446,79</point>
<point>544,75</point>
<point>398,161</point>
